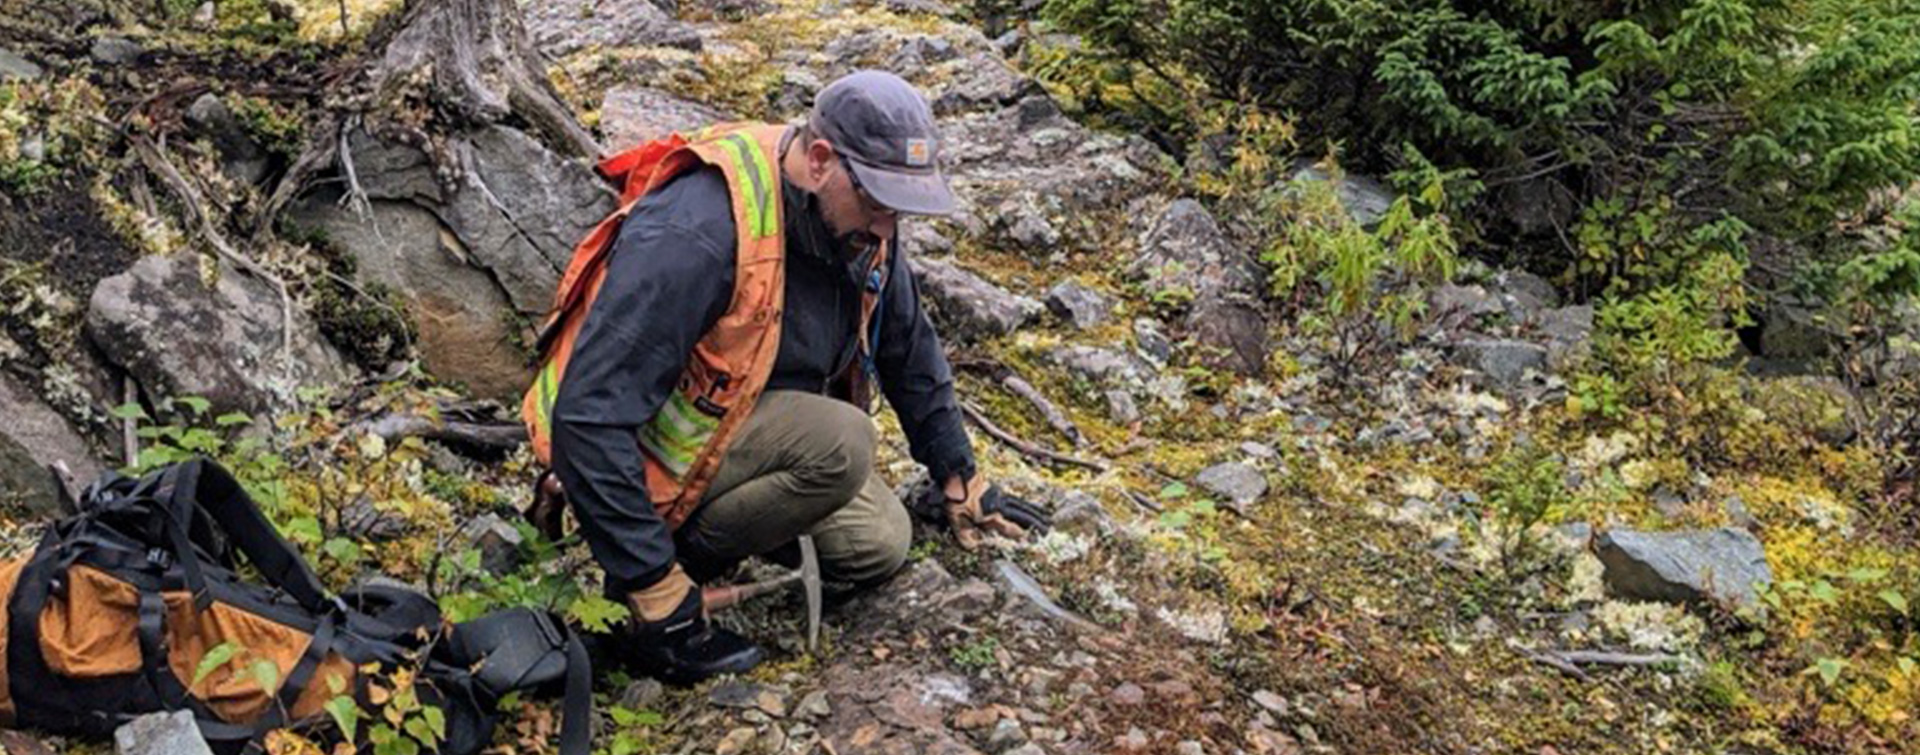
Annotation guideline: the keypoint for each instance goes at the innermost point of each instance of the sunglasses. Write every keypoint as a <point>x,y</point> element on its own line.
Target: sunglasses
<point>867,201</point>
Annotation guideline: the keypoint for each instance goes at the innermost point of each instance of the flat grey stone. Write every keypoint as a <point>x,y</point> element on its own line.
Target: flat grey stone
<point>1101,367</point>
<point>1238,482</point>
<point>12,66</point>
<point>1503,362</point>
<point>115,51</point>
<point>1687,566</point>
<point>161,734</point>
<point>1121,407</point>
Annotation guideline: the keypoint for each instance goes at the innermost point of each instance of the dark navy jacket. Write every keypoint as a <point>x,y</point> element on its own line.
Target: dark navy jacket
<point>668,281</point>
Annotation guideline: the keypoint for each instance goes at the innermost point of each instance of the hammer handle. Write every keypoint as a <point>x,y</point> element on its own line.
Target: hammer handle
<point>727,596</point>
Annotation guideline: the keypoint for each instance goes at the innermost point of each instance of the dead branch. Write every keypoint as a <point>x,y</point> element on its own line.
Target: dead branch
<point>356,196</point>
<point>157,163</point>
<point>1604,658</point>
<point>502,437</point>
<point>314,157</point>
<point>1058,419</point>
<point>1025,448</point>
<point>1141,500</point>
<point>1560,664</point>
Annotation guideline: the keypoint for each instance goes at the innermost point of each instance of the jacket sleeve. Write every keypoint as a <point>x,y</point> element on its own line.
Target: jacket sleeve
<point>916,378</point>
<point>668,280</point>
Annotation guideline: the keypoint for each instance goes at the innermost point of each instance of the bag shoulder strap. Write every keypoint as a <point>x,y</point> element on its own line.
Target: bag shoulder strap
<point>204,485</point>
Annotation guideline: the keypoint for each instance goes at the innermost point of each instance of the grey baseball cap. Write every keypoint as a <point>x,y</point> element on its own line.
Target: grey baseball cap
<point>884,128</point>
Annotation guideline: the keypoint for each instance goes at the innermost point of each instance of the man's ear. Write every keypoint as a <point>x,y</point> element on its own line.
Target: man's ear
<point>819,160</point>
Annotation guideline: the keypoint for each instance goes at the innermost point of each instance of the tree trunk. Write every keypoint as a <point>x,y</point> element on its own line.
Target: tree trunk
<point>481,69</point>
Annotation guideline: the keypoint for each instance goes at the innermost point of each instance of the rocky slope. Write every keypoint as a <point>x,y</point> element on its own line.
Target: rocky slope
<point>1255,552</point>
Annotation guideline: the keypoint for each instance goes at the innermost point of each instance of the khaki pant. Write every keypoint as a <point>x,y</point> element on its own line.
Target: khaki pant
<point>802,464</point>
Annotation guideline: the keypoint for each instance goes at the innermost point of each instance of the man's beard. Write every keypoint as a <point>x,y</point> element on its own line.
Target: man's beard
<point>818,234</point>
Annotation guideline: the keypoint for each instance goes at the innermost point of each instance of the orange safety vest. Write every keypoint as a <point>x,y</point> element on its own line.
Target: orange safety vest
<point>682,445</point>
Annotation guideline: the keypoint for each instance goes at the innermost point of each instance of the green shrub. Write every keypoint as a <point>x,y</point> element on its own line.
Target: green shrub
<point>1663,115</point>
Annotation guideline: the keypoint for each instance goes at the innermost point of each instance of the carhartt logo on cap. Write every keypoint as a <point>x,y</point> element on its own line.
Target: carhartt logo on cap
<point>919,153</point>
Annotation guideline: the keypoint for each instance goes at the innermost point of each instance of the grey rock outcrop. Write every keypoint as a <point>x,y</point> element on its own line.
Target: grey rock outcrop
<point>162,324</point>
<point>457,309</point>
<point>1077,305</point>
<point>515,207</point>
<point>632,116</point>
<point>1184,254</point>
<point>1470,300</point>
<point>1365,199</point>
<point>969,304</point>
<point>1523,293</point>
<point>33,437</point>
<point>1568,333</point>
<point>981,81</point>
<point>1688,566</point>
<point>559,29</point>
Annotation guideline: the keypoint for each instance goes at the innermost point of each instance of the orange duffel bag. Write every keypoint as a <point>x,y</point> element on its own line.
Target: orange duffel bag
<point>122,601</point>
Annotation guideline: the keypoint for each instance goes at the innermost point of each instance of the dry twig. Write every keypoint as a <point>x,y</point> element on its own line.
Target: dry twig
<point>1024,447</point>
<point>1058,419</point>
<point>1141,500</point>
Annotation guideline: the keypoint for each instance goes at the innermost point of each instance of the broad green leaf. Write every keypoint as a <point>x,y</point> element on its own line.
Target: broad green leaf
<point>216,657</point>
<point>1895,599</point>
<point>129,411</point>
<point>436,721</point>
<point>1824,592</point>
<point>1866,575</point>
<point>305,529</point>
<point>1174,490</point>
<point>343,550</point>
<point>233,418</point>
<point>266,673</point>
<point>596,613</point>
<point>194,404</point>
<point>632,717</point>
<point>346,715</point>
<point>1829,669</point>
<point>421,731</point>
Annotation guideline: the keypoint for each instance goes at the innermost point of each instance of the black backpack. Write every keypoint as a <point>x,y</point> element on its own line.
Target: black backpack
<point>112,614</point>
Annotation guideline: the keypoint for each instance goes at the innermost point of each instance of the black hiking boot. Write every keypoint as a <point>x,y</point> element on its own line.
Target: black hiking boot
<point>685,648</point>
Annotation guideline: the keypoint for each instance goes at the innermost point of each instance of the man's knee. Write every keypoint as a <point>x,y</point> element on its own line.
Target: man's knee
<point>872,551</point>
<point>842,442</point>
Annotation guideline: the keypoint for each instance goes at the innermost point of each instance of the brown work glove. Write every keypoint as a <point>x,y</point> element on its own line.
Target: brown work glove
<point>662,599</point>
<point>969,523</point>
